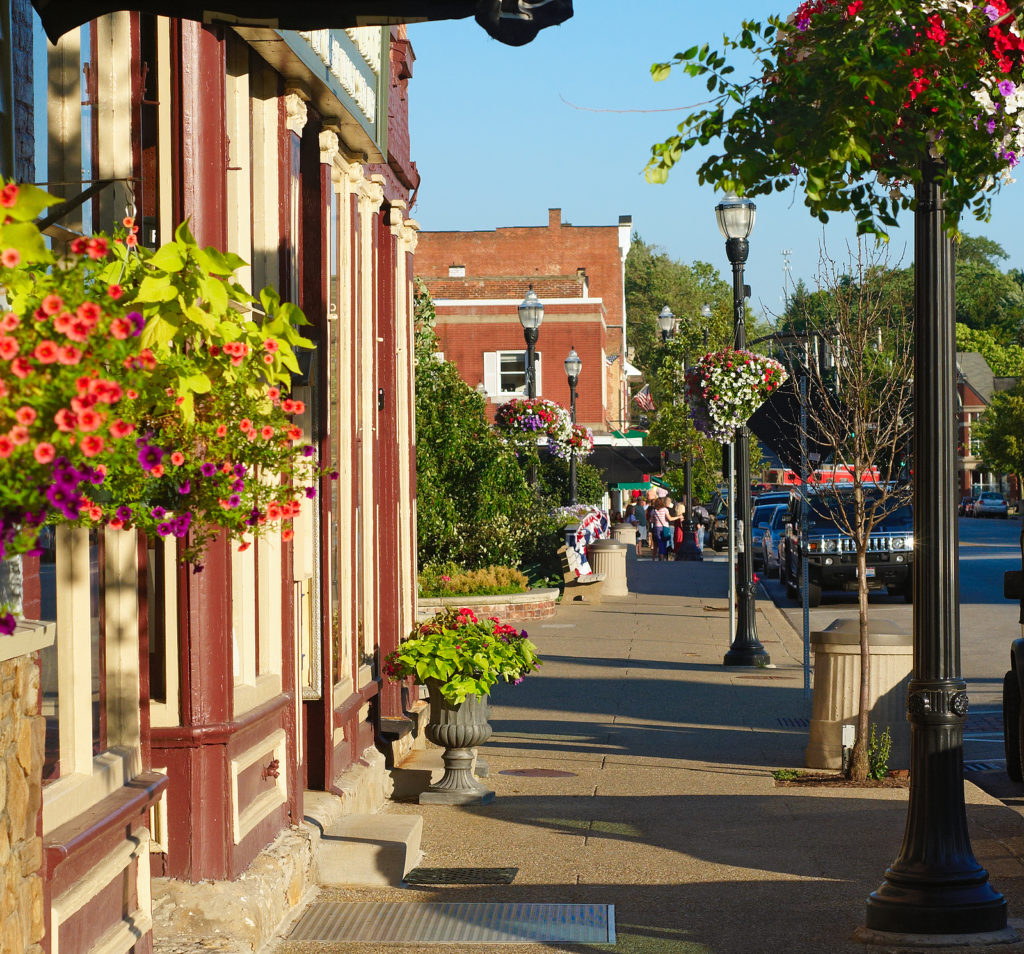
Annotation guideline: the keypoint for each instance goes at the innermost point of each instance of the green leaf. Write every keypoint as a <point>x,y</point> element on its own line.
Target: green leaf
<point>183,235</point>
<point>660,71</point>
<point>197,383</point>
<point>30,202</point>
<point>27,240</point>
<point>168,258</point>
<point>154,289</point>
<point>158,333</point>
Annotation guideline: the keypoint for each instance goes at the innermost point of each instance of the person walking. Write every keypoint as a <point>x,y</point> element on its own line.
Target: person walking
<point>661,528</point>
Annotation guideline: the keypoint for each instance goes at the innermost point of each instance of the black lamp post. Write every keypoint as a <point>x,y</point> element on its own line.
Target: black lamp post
<point>935,886</point>
<point>531,314</point>
<point>573,366</point>
<point>735,216</point>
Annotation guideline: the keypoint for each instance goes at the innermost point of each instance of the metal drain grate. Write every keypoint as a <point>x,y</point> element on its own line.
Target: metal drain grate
<point>461,876</point>
<point>403,922</point>
<point>794,722</point>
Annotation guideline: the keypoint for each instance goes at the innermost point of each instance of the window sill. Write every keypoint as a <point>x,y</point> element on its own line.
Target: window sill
<point>29,635</point>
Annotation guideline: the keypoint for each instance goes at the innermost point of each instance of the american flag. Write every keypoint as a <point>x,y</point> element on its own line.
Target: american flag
<point>644,399</point>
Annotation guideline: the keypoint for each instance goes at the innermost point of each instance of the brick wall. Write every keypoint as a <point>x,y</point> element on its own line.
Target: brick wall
<point>400,173</point>
<point>527,251</point>
<point>21,763</point>
<point>512,287</point>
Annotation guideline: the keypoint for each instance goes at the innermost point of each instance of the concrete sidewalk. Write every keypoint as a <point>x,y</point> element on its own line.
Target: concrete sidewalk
<point>667,807</point>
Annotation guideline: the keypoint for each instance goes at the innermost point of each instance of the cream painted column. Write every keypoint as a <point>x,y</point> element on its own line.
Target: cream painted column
<point>371,195</point>
<point>64,120</point>
<point>405,230</point>
<point>112,62</point>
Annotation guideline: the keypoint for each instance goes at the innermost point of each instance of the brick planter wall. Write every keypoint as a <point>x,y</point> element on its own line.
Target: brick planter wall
<point>21,848</point>
<point>534,604</point>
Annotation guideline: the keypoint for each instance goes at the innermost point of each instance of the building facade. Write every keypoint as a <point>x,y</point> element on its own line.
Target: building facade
<point>477,281</point>
<point>158,721</point>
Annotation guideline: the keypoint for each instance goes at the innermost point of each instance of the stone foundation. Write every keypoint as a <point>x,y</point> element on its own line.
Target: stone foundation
<point>21,765</point>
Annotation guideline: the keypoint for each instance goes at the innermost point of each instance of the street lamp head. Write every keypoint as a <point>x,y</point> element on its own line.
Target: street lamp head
<point>531,311</point>
<point>705,311</point>
<point>665,322</point>
<point>573,366</point>
<point>735,214</point>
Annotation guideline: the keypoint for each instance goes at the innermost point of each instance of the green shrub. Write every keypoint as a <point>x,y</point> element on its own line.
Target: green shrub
<point>879,748</point>
<point>448,580</point>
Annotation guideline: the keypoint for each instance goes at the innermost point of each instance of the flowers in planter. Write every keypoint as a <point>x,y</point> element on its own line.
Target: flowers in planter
<point>885,84</point>
<point>141,389</point>
<point>526,419</point>
<point>464,654</point>
<point>725,387</point>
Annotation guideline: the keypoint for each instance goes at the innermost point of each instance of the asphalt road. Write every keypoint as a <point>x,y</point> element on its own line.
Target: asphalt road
<point>988,624</point>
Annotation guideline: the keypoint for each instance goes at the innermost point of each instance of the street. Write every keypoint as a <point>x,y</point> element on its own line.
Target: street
<point>988,624</point>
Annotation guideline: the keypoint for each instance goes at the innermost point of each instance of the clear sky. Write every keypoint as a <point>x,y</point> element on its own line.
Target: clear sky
<point>501,134</point>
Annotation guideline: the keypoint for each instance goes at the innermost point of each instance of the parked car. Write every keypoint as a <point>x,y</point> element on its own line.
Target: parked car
<point>991,504</point>
<point>966,507</point>
<point>720,511</point>
<point>760,519</point>
<point>771,538</point>
<point>832,557</point>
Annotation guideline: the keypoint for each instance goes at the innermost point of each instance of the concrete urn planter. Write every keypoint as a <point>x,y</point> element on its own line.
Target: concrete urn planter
<point>458,729</point>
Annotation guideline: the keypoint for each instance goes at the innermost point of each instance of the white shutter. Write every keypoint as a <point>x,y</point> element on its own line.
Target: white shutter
<point>492,384</point>
<point>537,367</point>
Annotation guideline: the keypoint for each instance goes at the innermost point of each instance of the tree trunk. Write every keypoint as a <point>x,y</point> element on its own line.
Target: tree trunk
<point>858,769</point>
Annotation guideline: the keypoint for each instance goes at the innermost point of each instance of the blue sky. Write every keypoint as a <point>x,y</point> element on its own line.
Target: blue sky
<point>497,142</point>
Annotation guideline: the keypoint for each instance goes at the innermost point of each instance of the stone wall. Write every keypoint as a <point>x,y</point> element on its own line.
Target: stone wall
<point>21,848</point>
<point>512,608</point>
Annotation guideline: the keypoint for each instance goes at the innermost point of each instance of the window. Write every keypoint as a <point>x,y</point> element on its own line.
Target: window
<point>456,271</point>
<point>505,372</point>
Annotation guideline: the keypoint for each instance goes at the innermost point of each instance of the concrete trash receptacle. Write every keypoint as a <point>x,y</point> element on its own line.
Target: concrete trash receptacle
<point>624,533</point>
<point>609,557</point>
<point>837,689</point>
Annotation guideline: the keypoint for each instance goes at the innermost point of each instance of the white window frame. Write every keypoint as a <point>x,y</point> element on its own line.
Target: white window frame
<point>492,373</point>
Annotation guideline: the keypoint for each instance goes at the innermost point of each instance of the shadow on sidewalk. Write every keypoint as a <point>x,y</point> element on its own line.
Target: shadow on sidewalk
<point>678,578</point>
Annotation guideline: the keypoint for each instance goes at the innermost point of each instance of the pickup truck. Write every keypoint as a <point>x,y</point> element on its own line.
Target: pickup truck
<point>831,554</point>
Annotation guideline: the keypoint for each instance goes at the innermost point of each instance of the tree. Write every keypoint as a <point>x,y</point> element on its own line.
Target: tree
<point>654,280</point>
<point>474,506</point>
<point>863,415</point>
<point>1006,361</point>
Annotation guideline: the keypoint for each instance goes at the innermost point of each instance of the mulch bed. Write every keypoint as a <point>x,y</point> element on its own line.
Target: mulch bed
<point>896,779</point>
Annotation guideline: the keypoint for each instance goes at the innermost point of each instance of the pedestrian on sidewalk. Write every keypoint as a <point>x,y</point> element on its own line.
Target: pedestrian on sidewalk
<point>661,527</point>
<point>678,520</point>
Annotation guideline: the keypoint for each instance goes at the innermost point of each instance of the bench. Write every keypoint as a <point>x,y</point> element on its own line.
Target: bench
<point>579,587</point>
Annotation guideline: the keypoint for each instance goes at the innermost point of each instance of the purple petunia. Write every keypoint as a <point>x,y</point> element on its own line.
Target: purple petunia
<point>234,500</point>
<point>184,487</point>
<point>158,513</point>
<point>208,469</point>
<point>311,492</point>
<point>138,323</point>
<point>150,455</point>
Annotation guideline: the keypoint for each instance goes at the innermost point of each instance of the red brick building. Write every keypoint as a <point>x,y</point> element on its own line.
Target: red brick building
<point>478,279</point>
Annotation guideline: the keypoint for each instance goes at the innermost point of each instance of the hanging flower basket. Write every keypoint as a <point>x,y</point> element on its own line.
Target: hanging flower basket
<point>141,389</point>
<point>526,419</point>
<point>580,443</point>
<point>724,388</point>
<point>884,84</point>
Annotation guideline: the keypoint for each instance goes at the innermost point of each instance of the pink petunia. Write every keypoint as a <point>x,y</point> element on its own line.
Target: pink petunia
<point>44,452</point>
<point>92,444</point>
<point>10,258</point>
<point>25,415</point>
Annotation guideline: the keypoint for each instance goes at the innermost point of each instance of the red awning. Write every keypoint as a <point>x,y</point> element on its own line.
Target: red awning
<point>514,22</point>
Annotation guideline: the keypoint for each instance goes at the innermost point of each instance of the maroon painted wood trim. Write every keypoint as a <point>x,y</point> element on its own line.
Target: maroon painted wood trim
<point>216,733</point>
<point>129,801</point>
<point>388,583</point>
<point>356,700</point>
<point>204,145</point>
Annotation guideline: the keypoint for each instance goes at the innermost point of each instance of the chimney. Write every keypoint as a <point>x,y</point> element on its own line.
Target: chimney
<point>554,218</point>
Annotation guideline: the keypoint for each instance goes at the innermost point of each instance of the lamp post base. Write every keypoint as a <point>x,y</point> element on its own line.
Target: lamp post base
<point>746,655</point>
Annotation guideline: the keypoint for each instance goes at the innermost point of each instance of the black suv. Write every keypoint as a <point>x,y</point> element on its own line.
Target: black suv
<point>831,556</point>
